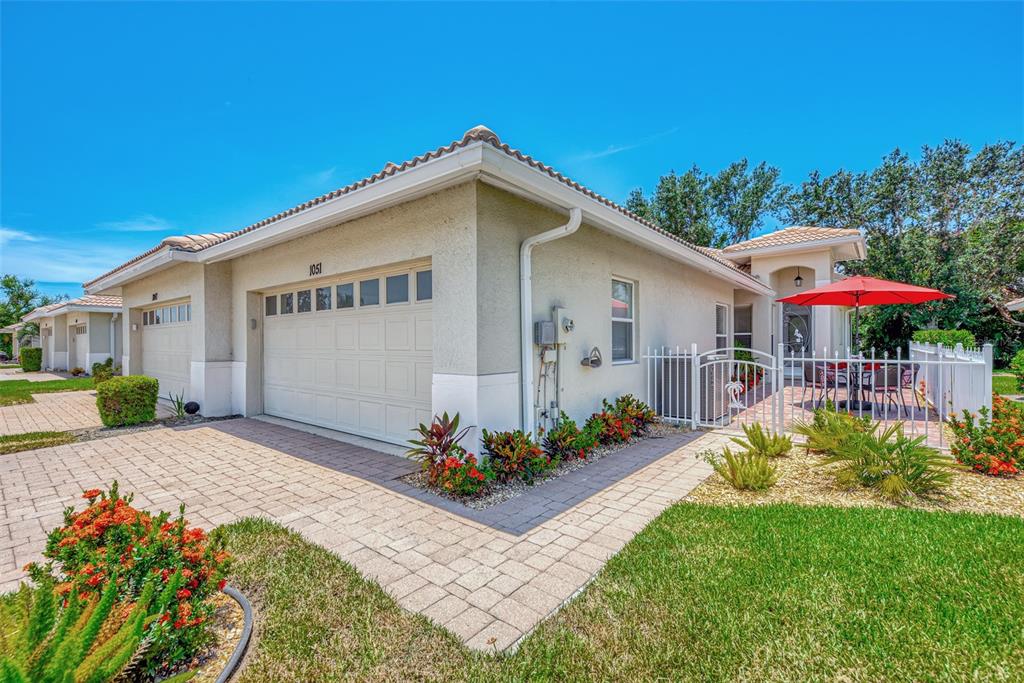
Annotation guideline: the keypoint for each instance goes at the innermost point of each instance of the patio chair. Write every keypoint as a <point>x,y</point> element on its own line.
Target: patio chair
<point>823,376</point>
<point>886,382</point>
<point>907,376</point>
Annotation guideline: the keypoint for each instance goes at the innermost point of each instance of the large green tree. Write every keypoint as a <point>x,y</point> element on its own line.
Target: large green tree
<point>19,296</point>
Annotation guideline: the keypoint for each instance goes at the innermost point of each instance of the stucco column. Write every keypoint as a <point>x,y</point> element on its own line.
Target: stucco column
<point>210,379</point>
<point>131,335</point>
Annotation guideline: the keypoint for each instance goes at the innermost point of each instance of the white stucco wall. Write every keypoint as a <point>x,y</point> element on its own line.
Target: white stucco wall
<point>675,303</point>
<point>778,271</point>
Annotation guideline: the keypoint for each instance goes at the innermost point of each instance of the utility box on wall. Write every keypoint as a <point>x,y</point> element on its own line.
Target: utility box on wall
<point>544,333</point>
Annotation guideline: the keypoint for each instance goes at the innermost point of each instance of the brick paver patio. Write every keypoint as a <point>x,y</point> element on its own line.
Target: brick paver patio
<point>489,576</point>
<point>58,412</point>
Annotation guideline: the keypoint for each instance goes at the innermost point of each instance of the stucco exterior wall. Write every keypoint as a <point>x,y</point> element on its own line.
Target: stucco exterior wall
<point>99,334</point>
<point>675,304</point>
<point>778,271</point>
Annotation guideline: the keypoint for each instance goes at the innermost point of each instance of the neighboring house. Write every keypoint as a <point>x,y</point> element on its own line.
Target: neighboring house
<point>18,344</point>
<point>415,291</point>
<point>1015,305</point>
<point>79,332</point>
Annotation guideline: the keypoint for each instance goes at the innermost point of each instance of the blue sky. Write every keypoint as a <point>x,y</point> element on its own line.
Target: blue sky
<point>123,123</point>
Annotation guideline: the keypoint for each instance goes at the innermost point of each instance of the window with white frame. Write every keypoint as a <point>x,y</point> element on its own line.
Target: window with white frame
<point>623,328</point>
<point>742,326</point>
<point>721,326</point>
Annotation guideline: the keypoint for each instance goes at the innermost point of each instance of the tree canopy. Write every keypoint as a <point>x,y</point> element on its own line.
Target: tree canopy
<point>951,219</point>
<point>19,296</point>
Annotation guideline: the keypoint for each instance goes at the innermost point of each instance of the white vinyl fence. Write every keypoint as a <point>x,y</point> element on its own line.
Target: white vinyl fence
<point>732,387</point>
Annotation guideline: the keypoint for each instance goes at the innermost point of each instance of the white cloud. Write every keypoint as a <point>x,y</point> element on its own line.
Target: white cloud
<point>10,235</point>
<point>611,150</point>
<point>141,223</point>
<point>62,260</point>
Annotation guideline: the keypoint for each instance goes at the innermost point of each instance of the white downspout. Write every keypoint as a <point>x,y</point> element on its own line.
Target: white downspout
<point>113,335</point>
<point>526,307</point>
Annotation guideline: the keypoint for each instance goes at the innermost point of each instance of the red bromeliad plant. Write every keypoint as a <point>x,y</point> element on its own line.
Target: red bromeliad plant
<point>112,541</point>
<point>995,445</point>
<point>437,441</point>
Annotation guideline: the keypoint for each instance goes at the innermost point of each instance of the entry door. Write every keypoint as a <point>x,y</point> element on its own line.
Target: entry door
<point>80,339</point>
<point>352,354</point>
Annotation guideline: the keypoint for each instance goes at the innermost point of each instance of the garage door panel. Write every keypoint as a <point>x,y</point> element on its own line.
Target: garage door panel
<point>167,357</point>
<point>362,370</point>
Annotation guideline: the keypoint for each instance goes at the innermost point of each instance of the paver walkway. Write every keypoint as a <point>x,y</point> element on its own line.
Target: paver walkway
<point>489,576</point>
<point>18,374</point>
<point>57,412</point>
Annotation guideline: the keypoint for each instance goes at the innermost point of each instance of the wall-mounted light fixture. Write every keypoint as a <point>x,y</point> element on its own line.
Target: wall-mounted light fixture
<point>798,281</point>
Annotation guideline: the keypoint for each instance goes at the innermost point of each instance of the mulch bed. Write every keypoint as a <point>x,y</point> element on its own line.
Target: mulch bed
<point>499,492</point>
<point>227,623</point>
<point>805,481</point>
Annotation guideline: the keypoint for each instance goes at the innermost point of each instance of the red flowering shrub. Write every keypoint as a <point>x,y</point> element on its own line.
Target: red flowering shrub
<point>610,428</point>
<point>461,473</point>
<point>995,445</point>
<point>631,409</point>
<point>112,541</point>
<point>566,441</point>
<point>514,455</point>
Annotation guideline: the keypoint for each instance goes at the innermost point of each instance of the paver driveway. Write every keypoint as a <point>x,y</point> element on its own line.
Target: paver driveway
<point>489,576</point>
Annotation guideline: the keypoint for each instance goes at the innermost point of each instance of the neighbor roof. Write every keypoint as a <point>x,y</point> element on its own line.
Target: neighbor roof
<point>1015,304</point>
<point>797,234</point>
<point>87,301</point>
<point>199,242</point>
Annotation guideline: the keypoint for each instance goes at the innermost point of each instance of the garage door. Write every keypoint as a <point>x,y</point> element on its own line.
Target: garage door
<point>353,354</point>
<point>167,347</point>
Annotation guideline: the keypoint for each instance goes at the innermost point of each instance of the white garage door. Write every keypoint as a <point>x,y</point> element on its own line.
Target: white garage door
<point>352,354</point>
<point>167,347</point>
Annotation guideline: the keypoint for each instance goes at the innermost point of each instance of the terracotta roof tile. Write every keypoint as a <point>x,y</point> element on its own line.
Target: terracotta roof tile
<point>195,243</point>
<point>793,235</point>
<point>84,300</point>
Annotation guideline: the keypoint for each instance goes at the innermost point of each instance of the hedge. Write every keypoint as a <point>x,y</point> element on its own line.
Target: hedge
<point>948,338</point>
<point>31,359</point>
<point>127,400</point>
<point>1017,368</point>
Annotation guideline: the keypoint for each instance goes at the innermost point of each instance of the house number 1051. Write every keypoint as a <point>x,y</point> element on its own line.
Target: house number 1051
<point>315,269</point>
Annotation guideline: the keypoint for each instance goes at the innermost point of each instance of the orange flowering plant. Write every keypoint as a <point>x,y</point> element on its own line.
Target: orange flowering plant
<point>461,473</point>
<point>112,541</point>
<point>993,444</point>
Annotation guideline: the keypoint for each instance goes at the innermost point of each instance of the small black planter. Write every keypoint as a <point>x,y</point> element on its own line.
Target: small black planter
<point>191,407</point>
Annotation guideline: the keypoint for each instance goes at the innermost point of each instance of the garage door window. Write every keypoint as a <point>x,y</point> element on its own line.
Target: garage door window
<point>424,285</point>
<point>369,292</point>
<point>323,298</point>
<point>398,289</point>
<point>271,305</point>
<point>287,301</point>
<point>346,295</point>
<point>305,301</point>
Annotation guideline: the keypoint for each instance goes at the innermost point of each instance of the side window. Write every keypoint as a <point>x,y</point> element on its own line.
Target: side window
<point>721,326</point>
<point>623,333</point>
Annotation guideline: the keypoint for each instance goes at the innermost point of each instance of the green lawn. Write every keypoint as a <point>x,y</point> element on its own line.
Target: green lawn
<point>20,390</point>
<point>1005,384</point>
<point>706,593</point>
<point>26,442</point>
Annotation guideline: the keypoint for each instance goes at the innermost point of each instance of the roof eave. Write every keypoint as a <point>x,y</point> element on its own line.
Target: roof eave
<point>799,247</point>
<point>157,261</point>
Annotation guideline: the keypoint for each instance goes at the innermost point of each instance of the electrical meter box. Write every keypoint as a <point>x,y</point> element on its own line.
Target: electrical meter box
<point>544,332</point>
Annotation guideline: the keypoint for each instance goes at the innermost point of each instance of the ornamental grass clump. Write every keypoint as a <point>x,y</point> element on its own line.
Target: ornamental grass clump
<point>745,470</point>
<point>111,543</point>
<point>761,441</point>
<point>891,463</point>
<point>830,429</point>
<point>990,443</point>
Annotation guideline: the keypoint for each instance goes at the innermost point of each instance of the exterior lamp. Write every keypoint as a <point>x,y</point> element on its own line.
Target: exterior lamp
<point>798,281</point>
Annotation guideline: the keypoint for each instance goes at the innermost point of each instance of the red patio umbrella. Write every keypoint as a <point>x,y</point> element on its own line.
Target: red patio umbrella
<point>860,291</point>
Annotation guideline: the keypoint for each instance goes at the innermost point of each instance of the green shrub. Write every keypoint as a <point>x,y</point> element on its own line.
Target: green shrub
<point>990,443</point>
<point>31,359</point>
<point>764,443</point>
<point>891,463</point>
<point>1017,368</point>
<point>127,400</point>
<point>631,409</point>
<point>514,455</point>
<point>101,372</point>
<point>830,428</point>
<point>746,471</point>
<point>948,338</point>
<point>566,441</point>
<point>460,473</point>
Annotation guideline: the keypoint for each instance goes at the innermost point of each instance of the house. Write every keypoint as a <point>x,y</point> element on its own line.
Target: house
<point>418,290</point>
<point>16,343</point>
<point>79,332</point>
